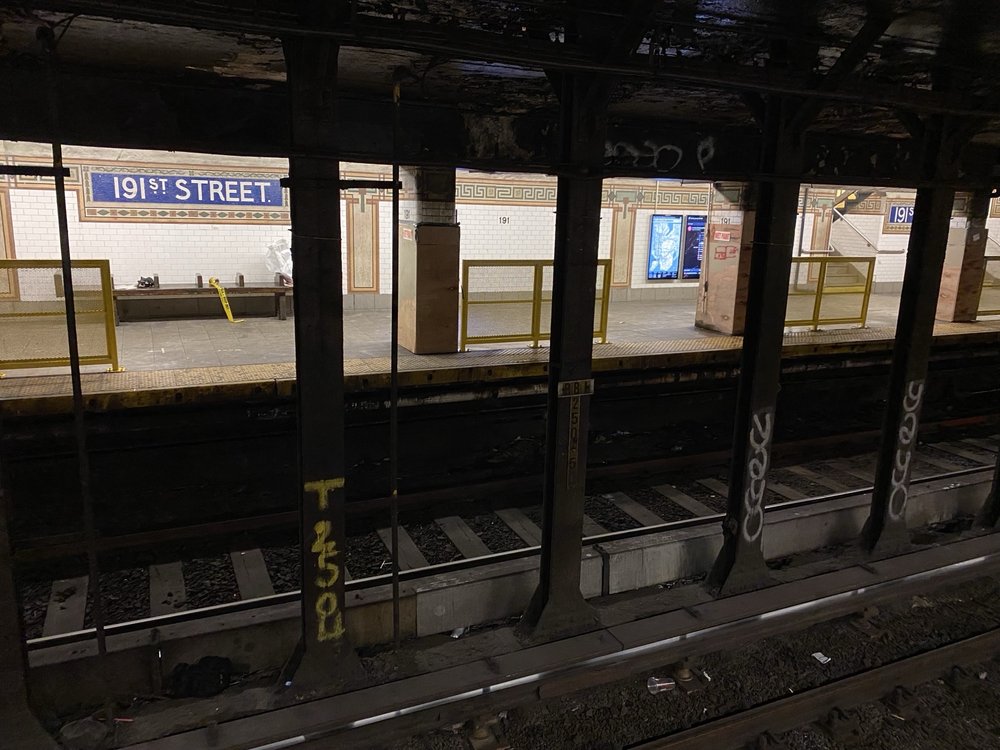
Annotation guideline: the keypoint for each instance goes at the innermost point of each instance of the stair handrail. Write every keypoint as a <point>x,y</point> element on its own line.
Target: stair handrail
<point>856,230</point>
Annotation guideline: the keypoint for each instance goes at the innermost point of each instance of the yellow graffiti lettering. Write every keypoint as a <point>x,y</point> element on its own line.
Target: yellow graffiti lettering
<point>322,488</point>
<point>326,552</point>
<point>330,621</point>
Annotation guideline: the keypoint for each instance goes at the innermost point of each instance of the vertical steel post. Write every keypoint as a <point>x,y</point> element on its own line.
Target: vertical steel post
<point>314,182</point>
<point>69,296</point>
<point>557,607</point>
<point>394,374</point>
<point>79,425</point>
<point>740,564</point>
<point>885,529</point>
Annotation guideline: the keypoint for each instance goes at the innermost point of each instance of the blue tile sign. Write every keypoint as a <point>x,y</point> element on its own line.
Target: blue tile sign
<point>116,187</point>
<point>900,213</point>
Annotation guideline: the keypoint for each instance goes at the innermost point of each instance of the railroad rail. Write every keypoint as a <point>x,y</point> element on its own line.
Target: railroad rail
<point>36,549</point>
<point>413,704</point>
<point>248,603</point>
<point>785,714</point>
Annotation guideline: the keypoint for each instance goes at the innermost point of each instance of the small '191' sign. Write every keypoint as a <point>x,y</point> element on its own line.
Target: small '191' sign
<point>900,214</point>
<point>898,219</point>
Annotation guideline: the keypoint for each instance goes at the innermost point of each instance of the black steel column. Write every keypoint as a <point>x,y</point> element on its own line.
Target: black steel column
<point>319,353</point>
<point>20,729</point>
<point>990,514</point>
<point>885,529</point>
<point>557,607</point>
<point>740,564</point>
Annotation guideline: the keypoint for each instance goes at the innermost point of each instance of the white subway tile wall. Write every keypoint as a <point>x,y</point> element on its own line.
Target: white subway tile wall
<point>177,252</point>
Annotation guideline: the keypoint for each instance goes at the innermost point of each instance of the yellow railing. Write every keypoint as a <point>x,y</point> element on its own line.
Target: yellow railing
<point>515,300</point>
<point>989,299</point>
<point>818,278</point>
<point>33,315</point>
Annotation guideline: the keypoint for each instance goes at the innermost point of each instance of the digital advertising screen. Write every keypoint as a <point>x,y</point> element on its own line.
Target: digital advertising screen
<point>664,247</point>
<point>694,246</point>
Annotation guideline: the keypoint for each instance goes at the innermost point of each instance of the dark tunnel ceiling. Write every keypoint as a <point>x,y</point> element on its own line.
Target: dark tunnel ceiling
<point>926,43</point>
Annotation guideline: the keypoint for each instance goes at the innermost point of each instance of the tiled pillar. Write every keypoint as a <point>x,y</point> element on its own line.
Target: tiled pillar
<point>725,265</point>
<point>962,276</point>
<point>428,262</point>
<point>821,202</point>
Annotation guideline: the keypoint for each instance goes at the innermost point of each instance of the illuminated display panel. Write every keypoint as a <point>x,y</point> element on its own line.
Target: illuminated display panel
<point>664,247</point>
<point>694,246</point>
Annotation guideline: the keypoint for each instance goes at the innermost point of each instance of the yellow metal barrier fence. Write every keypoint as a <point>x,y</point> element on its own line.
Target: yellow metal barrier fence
<point>820,291</point>
<point>515,300</point>
<point>33,314</point>
<point>989,299</point>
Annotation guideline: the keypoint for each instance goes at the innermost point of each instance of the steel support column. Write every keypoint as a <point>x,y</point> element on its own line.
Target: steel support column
<point>990,514</point>
<point>740,564</point>
<point>557,607</point>
<point>885,530</point>
<point>325,651</point>
<point>20,730</point>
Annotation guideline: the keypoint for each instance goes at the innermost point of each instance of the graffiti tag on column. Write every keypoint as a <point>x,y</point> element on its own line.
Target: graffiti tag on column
<point>899,482</point>
<point>329,618</point>
<point>662,157</point>
<point>323,488</point>
<point>760,458</point>
<point>573,459</point>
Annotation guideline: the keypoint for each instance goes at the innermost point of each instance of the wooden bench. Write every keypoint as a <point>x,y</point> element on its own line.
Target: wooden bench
<point>171,301</point>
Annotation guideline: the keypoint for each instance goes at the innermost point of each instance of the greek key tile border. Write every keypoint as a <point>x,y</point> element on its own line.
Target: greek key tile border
<point>505,192</point>
<point>870,206</point>
<point>960,208</point>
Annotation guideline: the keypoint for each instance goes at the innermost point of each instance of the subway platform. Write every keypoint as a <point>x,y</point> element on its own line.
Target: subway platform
<point>215,342</point>
<point>188,361</point>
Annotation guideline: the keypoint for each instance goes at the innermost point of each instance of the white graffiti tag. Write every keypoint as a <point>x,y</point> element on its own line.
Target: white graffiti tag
<point>706,151</point>
<point>899,482</point>
<point>753,495</point>
<point>647,155</point>
<point>659,157</point>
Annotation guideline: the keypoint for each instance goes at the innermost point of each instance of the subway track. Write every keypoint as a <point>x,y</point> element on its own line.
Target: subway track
<point>267,568</point>
<point>228,462</point>
<point>830,703</point>
<point>694,627</point>
<point>464,498</point>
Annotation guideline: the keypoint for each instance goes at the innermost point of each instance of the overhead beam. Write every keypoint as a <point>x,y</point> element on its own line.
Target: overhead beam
<point>467,43</point>
<point>634,27</point>
<point>104,108</point>
<point>849,59</point>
